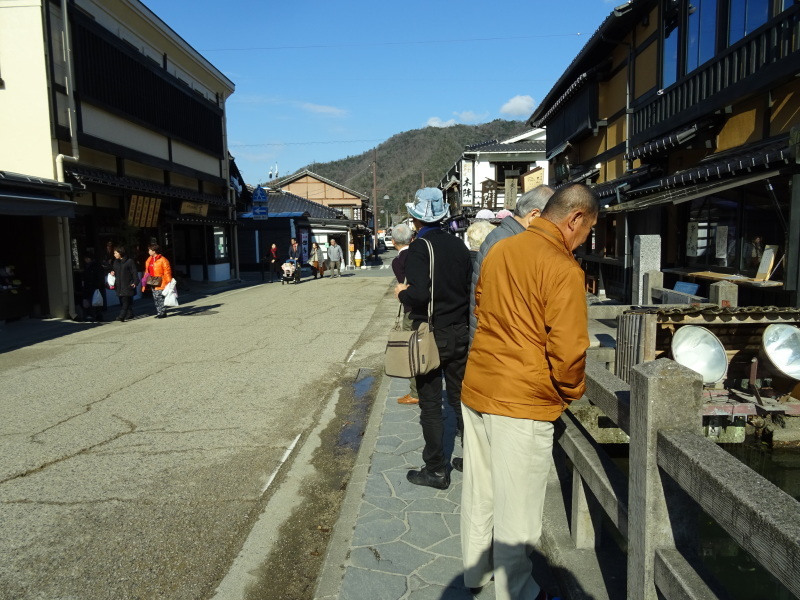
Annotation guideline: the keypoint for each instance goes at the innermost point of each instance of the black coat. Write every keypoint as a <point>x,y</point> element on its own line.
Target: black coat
<point>127,277</point>
<point>452,275</point>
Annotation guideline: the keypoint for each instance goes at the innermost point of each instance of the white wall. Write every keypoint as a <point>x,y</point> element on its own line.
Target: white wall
<point>106,126</point>
<point>24,98</point>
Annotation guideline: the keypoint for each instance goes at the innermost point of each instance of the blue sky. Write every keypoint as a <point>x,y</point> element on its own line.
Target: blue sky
<point>318,81</point>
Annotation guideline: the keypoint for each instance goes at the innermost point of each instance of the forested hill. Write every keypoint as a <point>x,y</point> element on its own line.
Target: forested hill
<point>406,158</point>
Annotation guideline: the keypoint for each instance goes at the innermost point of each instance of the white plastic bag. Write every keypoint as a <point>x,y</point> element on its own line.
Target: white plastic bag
<point>111,280</point>
<point>171,299</point>
<point>97,298</point>
<point>170,287</point>
<point>171,294</point>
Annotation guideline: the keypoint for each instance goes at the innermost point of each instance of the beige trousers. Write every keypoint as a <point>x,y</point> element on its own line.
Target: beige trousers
<point>506,465</point>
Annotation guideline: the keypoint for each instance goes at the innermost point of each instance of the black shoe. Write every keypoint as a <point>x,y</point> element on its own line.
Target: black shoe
<point>429,478</point>
<point>458,464</point>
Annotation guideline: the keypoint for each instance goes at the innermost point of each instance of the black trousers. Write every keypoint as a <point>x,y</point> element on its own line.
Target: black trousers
<point>453,344</point>
<point>127,307</point>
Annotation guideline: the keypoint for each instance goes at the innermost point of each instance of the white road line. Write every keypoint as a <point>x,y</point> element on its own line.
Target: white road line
<point>280,464</point>
<point>352,354</point>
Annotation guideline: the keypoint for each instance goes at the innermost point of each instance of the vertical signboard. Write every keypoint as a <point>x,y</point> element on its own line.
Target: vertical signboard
<point>467,183</point>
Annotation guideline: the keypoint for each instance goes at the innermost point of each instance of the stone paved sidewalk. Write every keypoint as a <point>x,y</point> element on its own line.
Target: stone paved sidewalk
<point>405,544</point>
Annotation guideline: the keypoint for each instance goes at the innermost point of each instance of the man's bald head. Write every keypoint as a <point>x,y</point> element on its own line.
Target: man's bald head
<point>573,209</point>
<point>568,199</point>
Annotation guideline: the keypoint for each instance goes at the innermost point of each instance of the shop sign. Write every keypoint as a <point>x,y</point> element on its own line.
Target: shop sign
<point>143,211</point>
<point>194,208</point>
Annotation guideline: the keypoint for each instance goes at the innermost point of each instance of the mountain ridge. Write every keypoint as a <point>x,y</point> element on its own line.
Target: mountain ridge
<point>408,158</point>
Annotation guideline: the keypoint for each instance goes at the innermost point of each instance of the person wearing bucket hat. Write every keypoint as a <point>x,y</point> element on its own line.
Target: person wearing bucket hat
<point>429,207</point>
<point>452,271</point>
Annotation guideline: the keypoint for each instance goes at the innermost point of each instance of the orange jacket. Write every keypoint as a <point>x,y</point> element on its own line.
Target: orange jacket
<point>528,356</point>
<point>160,268</point>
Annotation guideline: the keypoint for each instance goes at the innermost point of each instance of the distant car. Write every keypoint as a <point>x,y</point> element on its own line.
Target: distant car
<point>387,240</point>
<point>381,246</point>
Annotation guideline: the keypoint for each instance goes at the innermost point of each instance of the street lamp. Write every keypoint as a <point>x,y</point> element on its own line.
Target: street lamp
<point>386,199</point>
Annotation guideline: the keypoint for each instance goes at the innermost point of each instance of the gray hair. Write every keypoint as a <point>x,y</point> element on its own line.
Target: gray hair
<point>402,234</point>
<point>533,199</point>
<point>572,197</point>
<point>477,232</point>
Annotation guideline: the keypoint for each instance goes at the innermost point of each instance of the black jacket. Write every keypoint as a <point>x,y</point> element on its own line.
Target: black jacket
<point>452,274</point>
<point>126,277</point>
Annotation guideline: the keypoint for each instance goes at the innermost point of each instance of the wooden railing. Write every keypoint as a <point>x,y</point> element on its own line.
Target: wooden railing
<point>773,43</point>
<point>672,470</point>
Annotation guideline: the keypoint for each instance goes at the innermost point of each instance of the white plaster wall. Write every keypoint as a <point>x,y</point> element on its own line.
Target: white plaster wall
<point>104,125</point>
<point>184,155</point>
<point>25,142</point>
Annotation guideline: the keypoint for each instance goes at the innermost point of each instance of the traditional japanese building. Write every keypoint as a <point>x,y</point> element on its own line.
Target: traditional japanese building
<point>353,206</point>
<point>108,98</point>
<point>488,174</point>
<point>684,116</point>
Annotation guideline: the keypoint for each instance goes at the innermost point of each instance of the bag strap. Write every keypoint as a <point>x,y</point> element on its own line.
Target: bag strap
<point>430,263</point>
<point>399,310</point>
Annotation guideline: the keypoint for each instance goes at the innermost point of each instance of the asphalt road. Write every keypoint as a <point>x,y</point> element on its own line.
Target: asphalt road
<point>200,456</point>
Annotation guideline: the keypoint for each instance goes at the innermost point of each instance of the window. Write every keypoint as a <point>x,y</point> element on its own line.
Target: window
<point>694,30</point>
<point>745,17</point>
<point>711,233</point>
<point>672,29</point>
<point>729,232</point>
<point>701,33</point>
<point>220,243</point>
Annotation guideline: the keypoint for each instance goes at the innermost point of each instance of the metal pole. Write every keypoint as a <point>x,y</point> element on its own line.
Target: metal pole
<point>374,203</point>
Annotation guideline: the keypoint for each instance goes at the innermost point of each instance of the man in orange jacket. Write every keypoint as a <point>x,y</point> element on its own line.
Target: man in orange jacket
<point>526,365</point>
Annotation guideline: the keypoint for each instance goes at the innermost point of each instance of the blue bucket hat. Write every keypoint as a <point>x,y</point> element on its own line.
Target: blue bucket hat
<point>429,206</point>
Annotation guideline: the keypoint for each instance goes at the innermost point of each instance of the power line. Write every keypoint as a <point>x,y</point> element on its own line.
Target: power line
<point>302,143</point>
<point>411,43</point>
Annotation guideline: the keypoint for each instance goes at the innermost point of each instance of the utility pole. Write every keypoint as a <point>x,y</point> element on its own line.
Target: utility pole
<point>374,203</point>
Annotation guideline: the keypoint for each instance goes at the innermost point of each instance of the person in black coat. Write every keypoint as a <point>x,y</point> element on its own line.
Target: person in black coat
<point>124,270</point>
<point>452,272</point>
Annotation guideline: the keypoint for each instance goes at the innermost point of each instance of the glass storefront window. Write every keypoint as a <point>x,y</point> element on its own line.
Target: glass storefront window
<point>729,232</point>
<point>761,228</point>
<point>711,233</point>
<point>220,243</point>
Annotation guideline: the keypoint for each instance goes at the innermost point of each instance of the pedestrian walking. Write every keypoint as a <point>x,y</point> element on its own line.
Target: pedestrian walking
<point>525,366</point>
<point>335,256</point>
<point>317,260</point>
<point>450,301</point>
<point>274,263</point>
<point>125,278</point>
<point>158,274</point>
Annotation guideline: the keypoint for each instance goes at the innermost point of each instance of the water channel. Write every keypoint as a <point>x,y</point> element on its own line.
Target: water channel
<point>736,572</point>
<point>741,576</point>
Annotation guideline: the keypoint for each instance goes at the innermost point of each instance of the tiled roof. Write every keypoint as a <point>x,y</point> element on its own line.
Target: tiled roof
<point>285,204</point>
<point>86,175</point>
<point>592,53</point>
<point>305,172</point>
<point>535,146</point>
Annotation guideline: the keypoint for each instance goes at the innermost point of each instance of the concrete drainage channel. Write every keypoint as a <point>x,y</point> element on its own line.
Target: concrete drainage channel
<point>285,551</point>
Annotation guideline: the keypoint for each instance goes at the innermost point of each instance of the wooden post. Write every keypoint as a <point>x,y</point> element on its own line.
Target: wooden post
<point>664,395</point>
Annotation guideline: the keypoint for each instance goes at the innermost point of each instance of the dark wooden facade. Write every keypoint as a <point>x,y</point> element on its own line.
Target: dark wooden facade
<point>684,117</point>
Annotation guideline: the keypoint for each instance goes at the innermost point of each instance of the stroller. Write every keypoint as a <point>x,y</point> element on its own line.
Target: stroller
<point>290,272</point>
